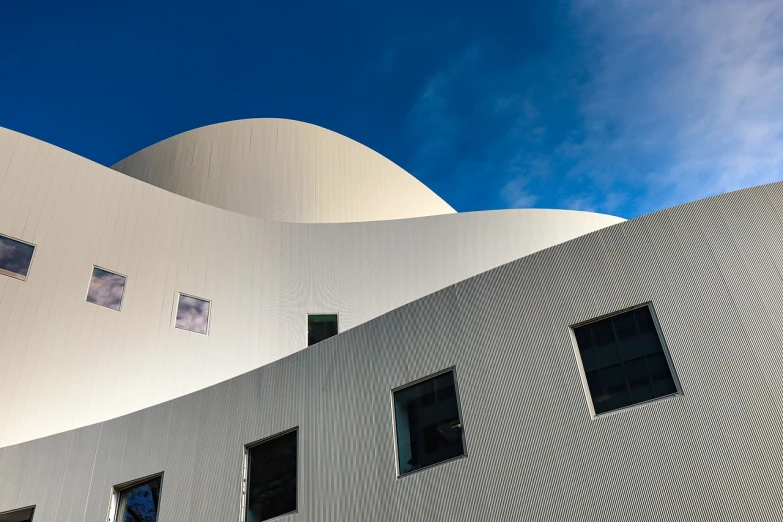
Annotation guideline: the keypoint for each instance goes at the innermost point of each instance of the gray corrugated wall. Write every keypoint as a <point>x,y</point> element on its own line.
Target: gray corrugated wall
<point>262,277</point>
<point>713,272</point>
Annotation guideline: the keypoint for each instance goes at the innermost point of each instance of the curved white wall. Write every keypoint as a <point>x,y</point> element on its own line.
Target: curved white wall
<point>283,170</point>
<point>65,363</point>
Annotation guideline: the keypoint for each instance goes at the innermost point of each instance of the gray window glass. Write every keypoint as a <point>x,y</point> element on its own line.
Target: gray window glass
<point>624,360</point>
<point>428,424</point>
<point>15,258</point>
<point>271,478</point>
<point>106,288</point>
<point>320,327</point>
<point>18,515</point>
<point>192,314</point>
<point>140,502</point>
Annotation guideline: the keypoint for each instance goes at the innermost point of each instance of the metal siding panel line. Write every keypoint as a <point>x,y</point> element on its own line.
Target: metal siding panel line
<point>13,184</point>
<point>77,472</point>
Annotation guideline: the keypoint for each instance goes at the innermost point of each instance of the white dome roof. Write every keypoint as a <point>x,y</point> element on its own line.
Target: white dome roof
<point>283,170</point>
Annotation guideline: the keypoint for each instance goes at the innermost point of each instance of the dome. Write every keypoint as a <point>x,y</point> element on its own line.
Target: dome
<point>283,170</point>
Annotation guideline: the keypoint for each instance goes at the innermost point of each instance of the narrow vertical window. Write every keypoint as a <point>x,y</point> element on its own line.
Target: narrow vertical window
<point>428,424</point>
<point>320,327</point>
<point>138,501</point>
<point>18,515</point>
<point>15,258</point>
<point>192,314</point>
<point>271,477</point>
<point>624,359</point>
<point>106,288</point>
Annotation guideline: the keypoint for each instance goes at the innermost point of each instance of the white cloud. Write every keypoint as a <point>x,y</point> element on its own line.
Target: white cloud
<point>701,82</point>
<point>192,314</point>
<point>517,195</point>
<point>647,105</point>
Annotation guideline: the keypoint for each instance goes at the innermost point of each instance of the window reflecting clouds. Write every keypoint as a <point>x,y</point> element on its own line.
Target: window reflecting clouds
<point>106,289</point>
<point>192,314</point>
<point>15,258</point>
<point>140,503</point>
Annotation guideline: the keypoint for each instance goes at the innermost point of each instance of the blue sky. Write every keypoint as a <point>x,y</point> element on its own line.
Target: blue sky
<point>615,106</point>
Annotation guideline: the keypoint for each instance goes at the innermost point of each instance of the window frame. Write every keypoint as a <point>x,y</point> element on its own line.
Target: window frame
<point>30,266</point>
<point>124,288</point>
<point>307,323</point>
<point>117,489</point>
<point>176,309</point>
<point>396,448</point>
<point>12,511</point>
<point>246,469</point>
<point>664,349</point>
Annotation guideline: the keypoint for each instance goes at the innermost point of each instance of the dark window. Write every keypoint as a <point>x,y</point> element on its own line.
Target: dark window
<point>18,515</point>
<point>427,418</point>
<point>139,502</point>
<point>624,360</point>
<point>15,258</point>
<point>106,288</point>
<point>192,314</point>
<point>271,478</point>
<point>320,327</point>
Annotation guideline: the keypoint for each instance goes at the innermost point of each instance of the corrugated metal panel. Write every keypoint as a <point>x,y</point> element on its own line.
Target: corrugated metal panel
<point>711,269</point>
<point>64,362</point>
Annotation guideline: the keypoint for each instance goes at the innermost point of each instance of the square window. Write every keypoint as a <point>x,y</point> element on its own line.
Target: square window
<point>624,359</point>
<point>192,314</point>
<point>271,477</point>
<point>320,327</point>
<point>138,501</point>
<point>428,424</point>
<point>15,258</point>
<point>106,288</point>
<point>18,515</point>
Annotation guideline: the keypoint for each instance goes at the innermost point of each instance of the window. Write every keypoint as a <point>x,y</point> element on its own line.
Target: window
<point>192,314</point>
<point>18,515</point>
<point>270,477</point>
<point>15,258</point>
<point>320,327</point>
<point>624,360</point>
<point>428,424</point>
<point>106,288</point>
<point>137,501</point>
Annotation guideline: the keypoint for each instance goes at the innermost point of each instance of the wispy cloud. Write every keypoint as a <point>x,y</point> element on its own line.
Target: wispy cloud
<point>637,106</point>
<point>106,289</point>
<point>192,314</point>
<point>689,96</point>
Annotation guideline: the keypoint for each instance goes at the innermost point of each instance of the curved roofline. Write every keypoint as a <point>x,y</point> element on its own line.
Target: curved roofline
<point>284,170</point>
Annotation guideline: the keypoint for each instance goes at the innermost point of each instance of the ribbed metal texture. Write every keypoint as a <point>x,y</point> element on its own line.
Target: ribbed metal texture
<point>711,268</point>
<point>283,170</point>
<point>66,363</point>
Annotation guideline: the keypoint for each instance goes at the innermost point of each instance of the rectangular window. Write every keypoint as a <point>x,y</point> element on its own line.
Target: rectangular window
<point>106,288</point>
<point>320,327</point>
<point>624,359</point>
<point>428,424</point>
<point>271,477</point>
<point>18,515</point>
<point>137,501</point>
<point>192,314</point>
<point>15,258</point>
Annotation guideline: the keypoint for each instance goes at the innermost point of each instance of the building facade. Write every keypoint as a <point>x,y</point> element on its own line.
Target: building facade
<point>159,334</point>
